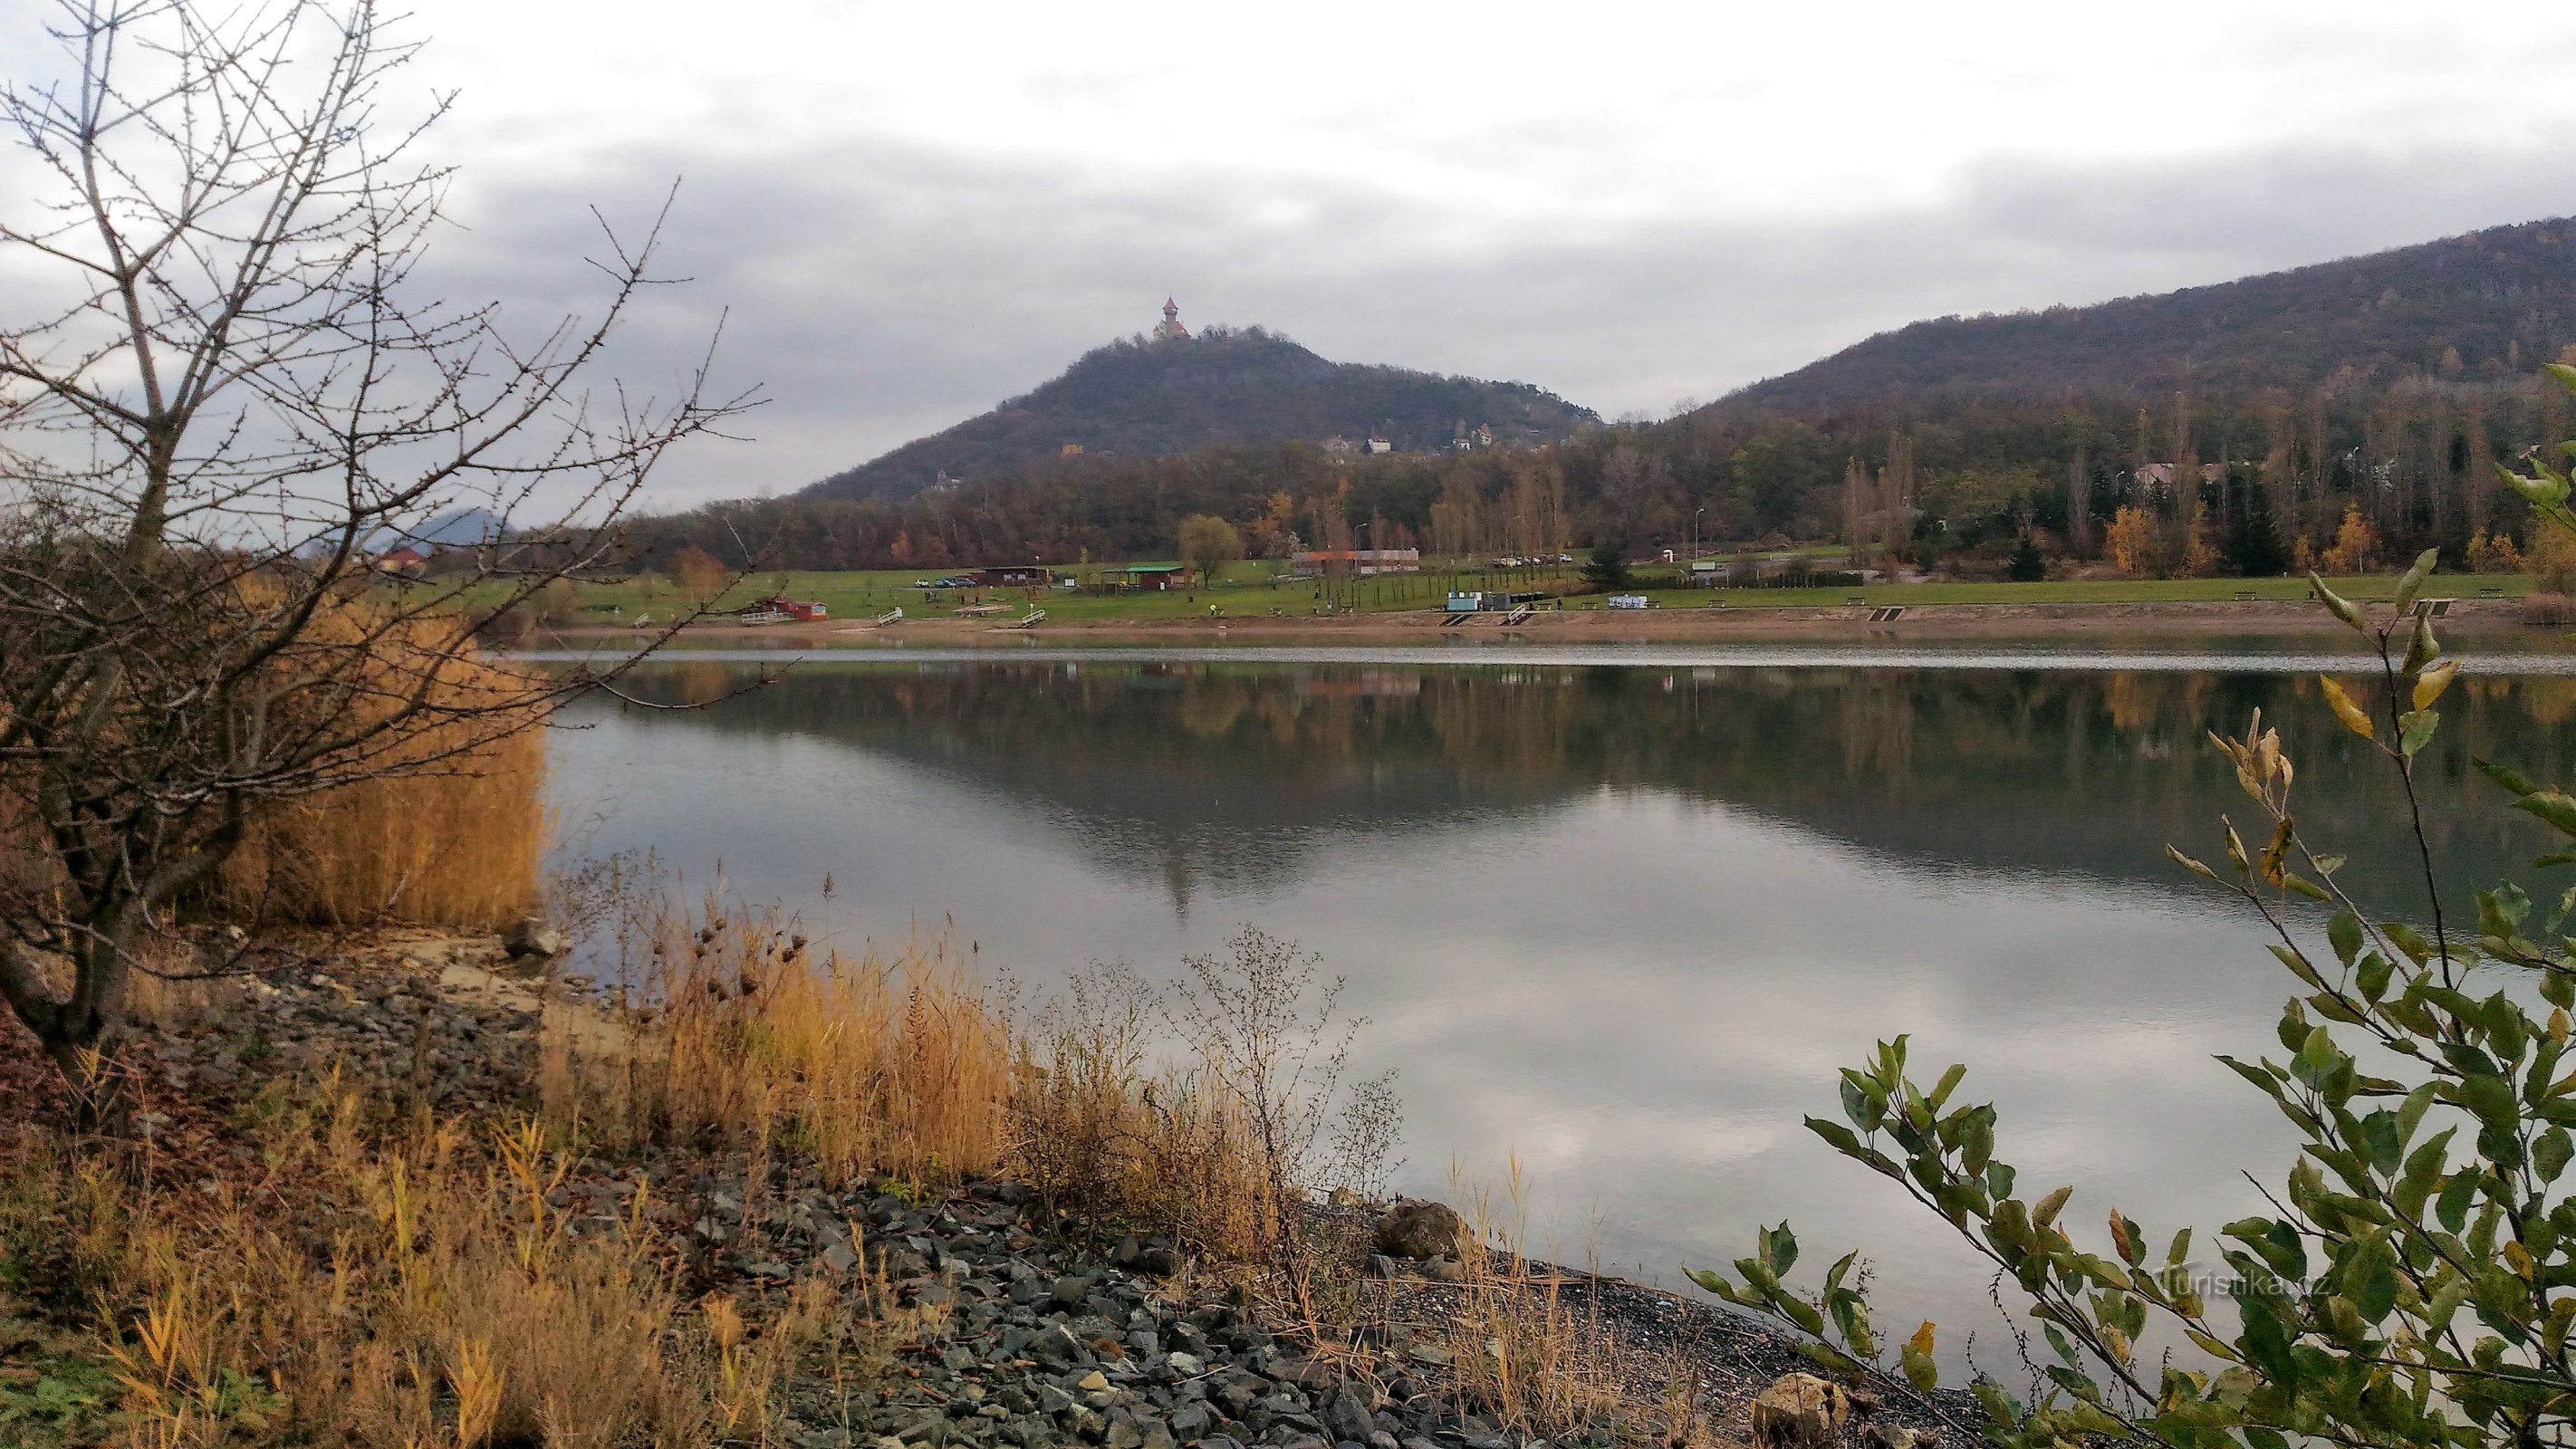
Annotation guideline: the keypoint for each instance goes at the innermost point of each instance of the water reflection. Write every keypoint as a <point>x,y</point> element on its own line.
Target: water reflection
<point>1621,921</point>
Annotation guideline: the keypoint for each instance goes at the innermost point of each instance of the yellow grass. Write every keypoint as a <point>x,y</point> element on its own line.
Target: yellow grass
<point>459,843</point>
<point>1540,1365</point>
<point>883,1063</point>
<point>399,1293</point>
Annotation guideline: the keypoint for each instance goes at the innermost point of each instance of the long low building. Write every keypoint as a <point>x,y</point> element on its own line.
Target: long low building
<point>1359,560</point>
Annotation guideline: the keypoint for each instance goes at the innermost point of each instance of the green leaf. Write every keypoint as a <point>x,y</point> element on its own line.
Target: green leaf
<point>2411,583</point>
<point>2421,647</point>
<point>2550,1152</point>
<point>2452,1207</point>
<point>2339,606</point>
<point>1841,1138</point>
<point>2415,729</point>
<point>2504,775</point>
<point>1780,1249</point>
<point>2550,805</point>
<point>2344,933</point>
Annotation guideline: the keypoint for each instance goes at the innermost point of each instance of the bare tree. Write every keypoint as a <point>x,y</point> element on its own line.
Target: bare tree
<point>223,393</point>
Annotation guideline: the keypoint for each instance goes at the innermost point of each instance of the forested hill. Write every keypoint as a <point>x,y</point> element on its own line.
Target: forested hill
<point>2482,306</point>
<point>1141,398</point>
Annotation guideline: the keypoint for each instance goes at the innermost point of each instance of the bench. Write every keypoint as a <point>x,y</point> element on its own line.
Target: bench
<point>2491,591</point>
<point>2244,596</point>
<point>890,616</point>
<point>1857,599</point>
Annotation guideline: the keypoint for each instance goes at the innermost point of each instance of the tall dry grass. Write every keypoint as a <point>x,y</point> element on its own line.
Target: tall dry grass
<point>1523,1350</point>
<point>453,831</point>
<point>1107,1138</point>
<point>737,1033</point>
<point>399,1293</point>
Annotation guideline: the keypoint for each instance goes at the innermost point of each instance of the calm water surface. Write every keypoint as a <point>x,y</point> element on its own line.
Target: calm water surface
<point>1618,917</point>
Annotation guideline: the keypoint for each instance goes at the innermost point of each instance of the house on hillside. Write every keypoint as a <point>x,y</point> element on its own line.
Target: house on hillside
<point>1376,444</point>
<point>405,560</point>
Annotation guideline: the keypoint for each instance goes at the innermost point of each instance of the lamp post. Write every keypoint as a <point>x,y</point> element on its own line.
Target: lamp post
<point>1694,542</point>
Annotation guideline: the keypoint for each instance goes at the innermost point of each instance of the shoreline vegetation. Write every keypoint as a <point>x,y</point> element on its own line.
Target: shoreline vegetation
<point>725,1186</point>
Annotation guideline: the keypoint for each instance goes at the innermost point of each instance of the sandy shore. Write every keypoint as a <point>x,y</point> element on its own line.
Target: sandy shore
<point>2128,623</point>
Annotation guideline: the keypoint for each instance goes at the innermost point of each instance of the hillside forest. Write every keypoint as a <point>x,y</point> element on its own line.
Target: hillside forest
<point>2341,415</point>
<point>2254,484</point>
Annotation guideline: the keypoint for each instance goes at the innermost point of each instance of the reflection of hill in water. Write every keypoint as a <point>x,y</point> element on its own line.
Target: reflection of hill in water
<point>1230,772</point>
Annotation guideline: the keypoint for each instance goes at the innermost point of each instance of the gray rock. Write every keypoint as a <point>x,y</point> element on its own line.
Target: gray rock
<point>1346,1413</point>
<point>1414,1228</point>
<point>533,937</point>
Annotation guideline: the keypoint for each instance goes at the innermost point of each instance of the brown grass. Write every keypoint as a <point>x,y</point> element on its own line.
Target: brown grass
<point>458,841</point>
<point>1125,1149</point>
<point>403,1292</point>
<point>884,1063</point>
<point>2549,608</point>
<point>1520,1352</point>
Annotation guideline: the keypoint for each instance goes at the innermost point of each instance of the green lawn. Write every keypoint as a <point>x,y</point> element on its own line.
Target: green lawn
<point>1260,588</point>
<point>2073,591</point>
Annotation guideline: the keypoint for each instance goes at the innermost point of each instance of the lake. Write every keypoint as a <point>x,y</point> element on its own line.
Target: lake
<point>1616,917</point>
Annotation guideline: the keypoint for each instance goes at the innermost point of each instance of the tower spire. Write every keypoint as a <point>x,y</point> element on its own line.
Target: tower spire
<point>1170,328</point>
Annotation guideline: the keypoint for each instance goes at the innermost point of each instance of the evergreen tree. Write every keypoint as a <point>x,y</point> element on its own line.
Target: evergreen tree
<point>2254,547</point>
<point>1608,567</point>
<point>2027,566</point>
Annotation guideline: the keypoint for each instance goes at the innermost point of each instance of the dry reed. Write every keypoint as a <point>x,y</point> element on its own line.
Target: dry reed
<point>1125,1149</point>
<point>884,1063</point>
<point>1541,1366</point>
<point>450,831</point>
<point>398,1293</point>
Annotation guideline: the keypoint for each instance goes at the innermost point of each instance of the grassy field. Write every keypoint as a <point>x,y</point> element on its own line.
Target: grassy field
<point>2074,591</point>
<point>1249,589</point>
<point>1262,589</point>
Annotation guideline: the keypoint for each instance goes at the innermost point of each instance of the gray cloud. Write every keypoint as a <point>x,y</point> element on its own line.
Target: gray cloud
<point>880,291</point>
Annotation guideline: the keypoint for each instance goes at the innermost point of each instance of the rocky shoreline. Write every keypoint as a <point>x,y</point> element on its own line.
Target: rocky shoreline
<point>1015,1328</point>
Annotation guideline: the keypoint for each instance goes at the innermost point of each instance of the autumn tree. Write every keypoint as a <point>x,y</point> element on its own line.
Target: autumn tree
<point>221,391</point>
<point>2356,545</point>
<point>2133,542</point>
<point>1208,544</point>
<point>698,573</point>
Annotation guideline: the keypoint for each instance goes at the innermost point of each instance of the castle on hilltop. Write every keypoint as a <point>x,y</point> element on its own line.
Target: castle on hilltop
<point>1170,328</point>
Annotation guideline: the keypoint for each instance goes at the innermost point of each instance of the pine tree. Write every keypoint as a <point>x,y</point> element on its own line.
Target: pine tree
<point>2027,566</point>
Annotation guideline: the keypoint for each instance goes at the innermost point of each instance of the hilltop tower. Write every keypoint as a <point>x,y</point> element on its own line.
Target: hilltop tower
<point>1170,328</point>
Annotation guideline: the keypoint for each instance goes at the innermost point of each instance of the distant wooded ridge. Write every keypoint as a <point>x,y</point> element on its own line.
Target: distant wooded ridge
<point>2385,386</point>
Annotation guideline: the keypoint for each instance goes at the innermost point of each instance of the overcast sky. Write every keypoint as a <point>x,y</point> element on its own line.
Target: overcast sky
<point>910,212</point>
